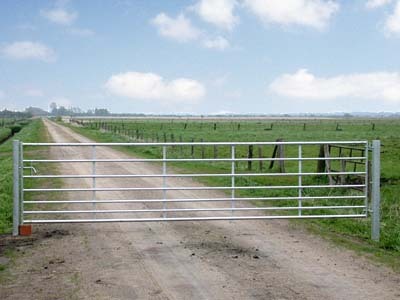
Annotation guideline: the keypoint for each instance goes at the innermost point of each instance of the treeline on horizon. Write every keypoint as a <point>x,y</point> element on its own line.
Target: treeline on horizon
<point>56,110</point>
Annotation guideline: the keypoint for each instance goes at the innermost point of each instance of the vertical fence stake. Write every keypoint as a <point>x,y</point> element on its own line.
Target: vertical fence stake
<point>300,179</point>
<point>164,150</point>
<point>375,192</point>
<point>16,186</point>
<point>250,156</point>
<point>233,177</point>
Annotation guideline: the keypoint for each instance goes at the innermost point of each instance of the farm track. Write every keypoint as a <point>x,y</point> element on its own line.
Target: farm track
<point>185,260</point>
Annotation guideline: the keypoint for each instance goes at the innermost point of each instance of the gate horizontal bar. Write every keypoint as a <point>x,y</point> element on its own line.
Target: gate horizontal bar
<point>195,188</point>
<point>194,175</point>
<point>189,159</point>
<point>191,200</point>
<point>38,212</point>
<point>198,143</point>
<point>193,219</point>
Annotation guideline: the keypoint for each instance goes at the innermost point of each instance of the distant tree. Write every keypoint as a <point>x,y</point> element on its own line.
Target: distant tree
<point>53,108</point>
<point>76,111</point>
<point>35,111</point>
<point>101,112</point>
<point>62,111</point>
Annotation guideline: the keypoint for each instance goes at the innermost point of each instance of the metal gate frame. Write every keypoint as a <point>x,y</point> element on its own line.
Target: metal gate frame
<point>371,202</point>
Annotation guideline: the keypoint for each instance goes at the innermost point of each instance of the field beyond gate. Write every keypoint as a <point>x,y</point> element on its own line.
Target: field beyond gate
<point>339,189</point>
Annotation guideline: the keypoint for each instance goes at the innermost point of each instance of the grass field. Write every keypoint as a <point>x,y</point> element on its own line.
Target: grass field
<point>32,132</point>
<point>345,231</point>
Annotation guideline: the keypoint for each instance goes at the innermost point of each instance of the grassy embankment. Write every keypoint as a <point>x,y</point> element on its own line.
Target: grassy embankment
<point>5,133</point>
<point>353,233</point>
<point>32,132</point>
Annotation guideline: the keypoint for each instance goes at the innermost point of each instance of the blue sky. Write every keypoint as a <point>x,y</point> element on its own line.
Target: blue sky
<point>201,56</point>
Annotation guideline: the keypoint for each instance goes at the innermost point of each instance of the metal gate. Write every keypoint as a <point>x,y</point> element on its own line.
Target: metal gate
<point>161,183</point>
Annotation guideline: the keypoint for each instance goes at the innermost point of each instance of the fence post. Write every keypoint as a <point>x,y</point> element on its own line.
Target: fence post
<point>375,190</point>
<point>16,186</point>
<point>260,155</point>
<point>250,156</point>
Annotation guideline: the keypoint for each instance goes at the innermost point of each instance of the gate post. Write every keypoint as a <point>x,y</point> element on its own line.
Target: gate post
<point>375,190</point>
<point>16,187</point>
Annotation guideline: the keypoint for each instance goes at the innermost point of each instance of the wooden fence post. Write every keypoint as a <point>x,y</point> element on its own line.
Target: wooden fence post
<point>281,156</point>
<point>250,156</point>
<point>327,149</point>
<point>279,148</point>
<point>321,162</point>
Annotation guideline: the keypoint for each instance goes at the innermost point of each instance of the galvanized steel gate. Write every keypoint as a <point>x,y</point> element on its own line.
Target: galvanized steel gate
<point>171,195</point>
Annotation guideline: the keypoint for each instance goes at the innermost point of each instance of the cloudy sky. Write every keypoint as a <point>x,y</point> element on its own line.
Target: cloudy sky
<point>201,56</point>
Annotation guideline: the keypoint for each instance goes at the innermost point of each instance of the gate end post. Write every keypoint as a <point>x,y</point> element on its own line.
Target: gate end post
<point>375,190</point>
<point>16,187</point>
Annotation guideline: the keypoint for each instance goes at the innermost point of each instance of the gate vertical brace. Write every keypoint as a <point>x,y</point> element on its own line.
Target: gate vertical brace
<point>300,179</point>
<point>375,190</point>
<point>233,177</point>
<point>94,178</point>
<point>16,187</point>
<point>367,181</point>
<point>164,155</point>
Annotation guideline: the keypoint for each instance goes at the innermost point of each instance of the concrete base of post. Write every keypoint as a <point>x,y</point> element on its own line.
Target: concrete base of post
<point>25,230</point>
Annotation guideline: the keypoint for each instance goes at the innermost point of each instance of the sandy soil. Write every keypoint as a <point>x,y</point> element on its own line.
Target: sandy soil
<point>183,260</point>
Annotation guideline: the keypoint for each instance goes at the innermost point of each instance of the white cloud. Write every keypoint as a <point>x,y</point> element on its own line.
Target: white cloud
<point>392,24</point>
<point>28,50</point>
<point>376,3</point>
<point>218,12</point>
<point>304,85</point>
<point>311,13</point>
<point>218,43</point>
<point>59,16</point>
<point>179,28</point>
<point>182,30</point>
<point>150,86</point>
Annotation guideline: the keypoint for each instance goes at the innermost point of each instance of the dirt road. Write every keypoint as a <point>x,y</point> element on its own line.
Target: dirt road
<point>186,260</point>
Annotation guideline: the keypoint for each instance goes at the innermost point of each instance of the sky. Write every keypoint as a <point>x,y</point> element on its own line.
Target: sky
<point>201,56</point>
